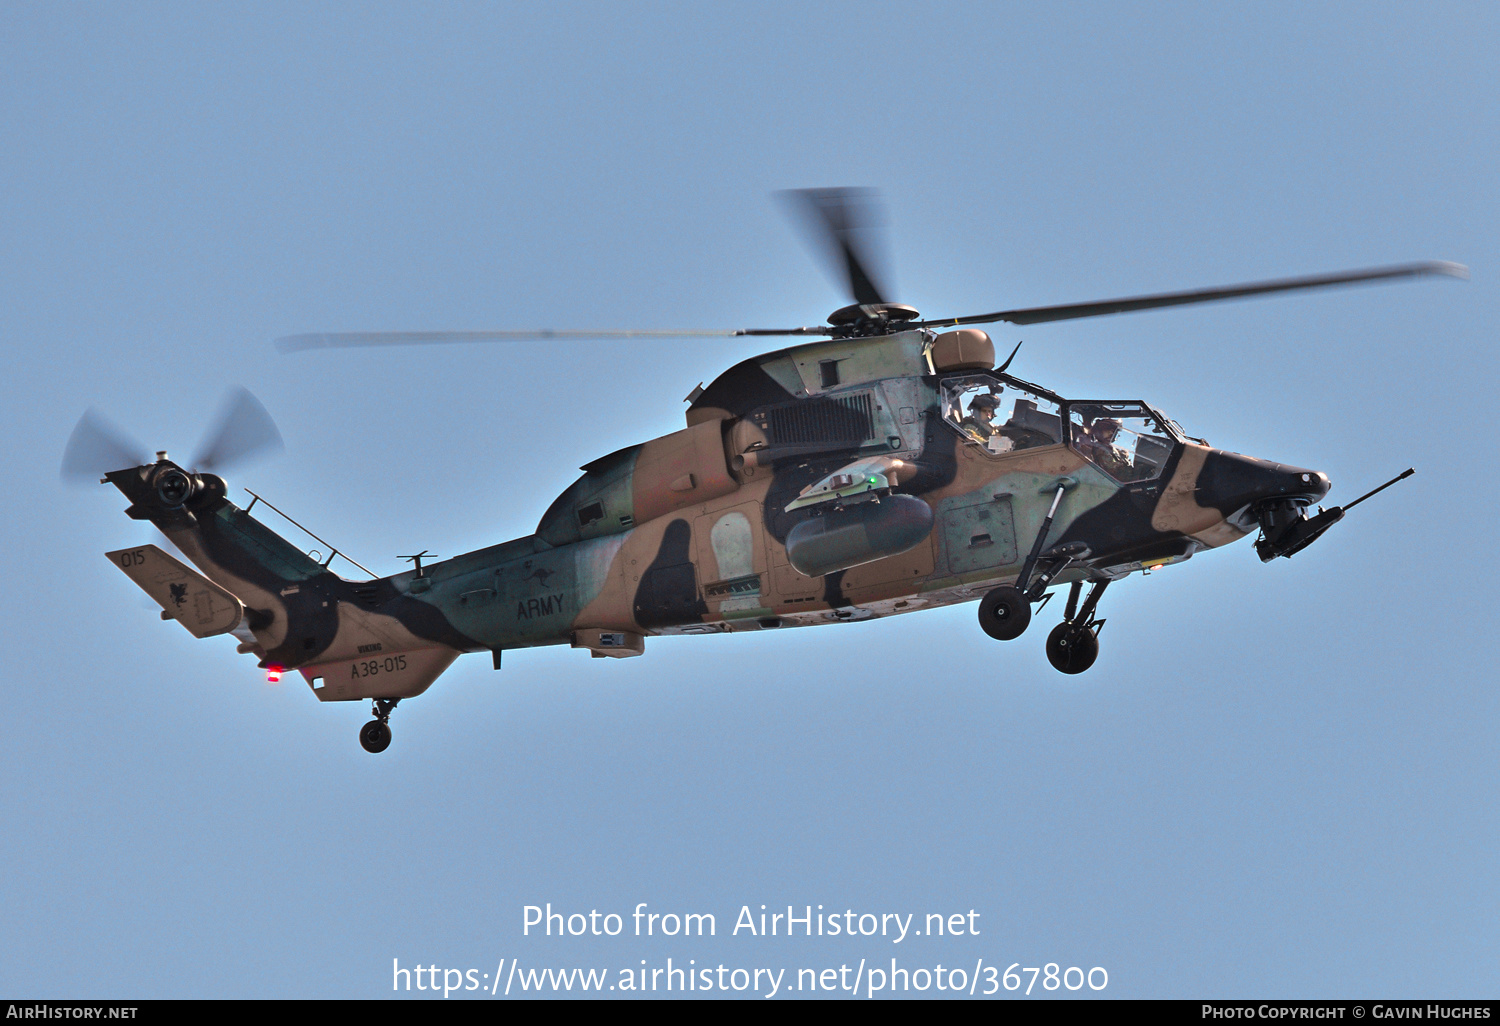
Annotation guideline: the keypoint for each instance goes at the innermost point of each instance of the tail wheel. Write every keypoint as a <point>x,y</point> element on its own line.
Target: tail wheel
<point>1004,613</point>
<point>1072,648</point>
<point>375,736</point>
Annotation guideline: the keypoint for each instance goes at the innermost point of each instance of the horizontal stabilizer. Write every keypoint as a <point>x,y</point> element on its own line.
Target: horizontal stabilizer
<point>184,595</point>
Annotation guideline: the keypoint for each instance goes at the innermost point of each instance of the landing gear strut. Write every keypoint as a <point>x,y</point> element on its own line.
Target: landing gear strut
<point>1005,613</point>
<point>375,736</point>
<point>1073,644</point>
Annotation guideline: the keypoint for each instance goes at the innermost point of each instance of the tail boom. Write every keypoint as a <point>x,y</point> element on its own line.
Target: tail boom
<point>350,640</point>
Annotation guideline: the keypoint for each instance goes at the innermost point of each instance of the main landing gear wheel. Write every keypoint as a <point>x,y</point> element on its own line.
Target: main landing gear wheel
<point>1004,613</point>
<point>1071,648</point>
<point>1073,644</point>
<point>375,736</point>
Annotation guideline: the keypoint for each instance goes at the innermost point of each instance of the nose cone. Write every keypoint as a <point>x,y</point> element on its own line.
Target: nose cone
<point>1229,482</point>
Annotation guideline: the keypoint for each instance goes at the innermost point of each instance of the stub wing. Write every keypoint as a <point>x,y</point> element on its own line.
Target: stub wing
<point>184,595</point>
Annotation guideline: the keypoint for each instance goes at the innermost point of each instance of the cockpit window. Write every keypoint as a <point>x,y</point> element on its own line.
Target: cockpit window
<point>1000,417</point>
<point>1125,440</point>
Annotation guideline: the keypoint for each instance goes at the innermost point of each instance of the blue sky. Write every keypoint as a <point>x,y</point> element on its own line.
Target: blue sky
<point>1277,780</point>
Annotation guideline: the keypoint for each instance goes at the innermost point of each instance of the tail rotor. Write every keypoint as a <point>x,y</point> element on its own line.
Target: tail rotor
<point>96,447</point>
<point>242,431</point>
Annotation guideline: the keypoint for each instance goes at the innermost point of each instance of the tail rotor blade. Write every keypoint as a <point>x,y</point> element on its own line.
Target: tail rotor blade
<point>96,447</point>
<point>244,429</point>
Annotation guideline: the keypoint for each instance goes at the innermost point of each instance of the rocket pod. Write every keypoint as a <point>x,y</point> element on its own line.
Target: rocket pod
<point>861,533</point>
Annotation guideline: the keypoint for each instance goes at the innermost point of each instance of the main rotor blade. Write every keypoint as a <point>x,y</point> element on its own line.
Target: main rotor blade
<point>360,339</point>
<point>96,447</point>
<point>244,429</point>
<point>845,226</point>
<point>1039,314</point>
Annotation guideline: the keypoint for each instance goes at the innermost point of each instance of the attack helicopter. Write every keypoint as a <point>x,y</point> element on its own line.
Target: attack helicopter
<point>883,466</point>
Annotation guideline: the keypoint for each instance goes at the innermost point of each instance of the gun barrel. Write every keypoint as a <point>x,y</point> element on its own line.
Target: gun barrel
<point>1408,472</point>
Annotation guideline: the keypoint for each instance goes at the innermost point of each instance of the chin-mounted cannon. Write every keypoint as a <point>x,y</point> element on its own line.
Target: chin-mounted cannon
<point>1286,529</point>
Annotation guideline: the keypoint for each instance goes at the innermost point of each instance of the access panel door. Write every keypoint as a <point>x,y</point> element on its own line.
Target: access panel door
<point>979,535</point>
<point>732,561</point>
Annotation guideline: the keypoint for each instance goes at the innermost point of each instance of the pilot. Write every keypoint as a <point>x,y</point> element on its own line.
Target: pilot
<point>979,424</point>
<point>1099,446</point>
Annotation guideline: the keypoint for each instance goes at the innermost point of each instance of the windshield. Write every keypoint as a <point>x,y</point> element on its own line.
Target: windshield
<point>1128,441</point>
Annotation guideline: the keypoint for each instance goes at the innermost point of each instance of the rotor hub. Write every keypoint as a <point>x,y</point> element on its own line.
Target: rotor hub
<point>867,319</point>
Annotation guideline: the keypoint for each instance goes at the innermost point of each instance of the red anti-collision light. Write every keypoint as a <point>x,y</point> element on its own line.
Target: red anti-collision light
<point>273,674</point>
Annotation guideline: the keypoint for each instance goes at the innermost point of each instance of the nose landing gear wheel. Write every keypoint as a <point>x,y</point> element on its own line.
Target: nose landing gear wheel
<point>375,736</point>
<point>1071,648</point>
<point>1004,613</point>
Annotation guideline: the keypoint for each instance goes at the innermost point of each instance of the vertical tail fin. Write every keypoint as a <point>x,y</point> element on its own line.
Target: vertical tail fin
<point>351,640</point>
<point>278,584</point>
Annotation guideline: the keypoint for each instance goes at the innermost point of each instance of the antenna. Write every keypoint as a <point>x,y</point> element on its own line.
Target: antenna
<point>417,559</point>
<point>1012,356</point>
<point>333,552</point>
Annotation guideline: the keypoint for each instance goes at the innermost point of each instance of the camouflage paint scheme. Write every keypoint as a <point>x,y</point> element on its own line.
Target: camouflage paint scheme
<point>686,534</point>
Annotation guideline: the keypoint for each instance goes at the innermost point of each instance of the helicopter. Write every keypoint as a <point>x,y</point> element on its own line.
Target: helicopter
<point>884,466</point>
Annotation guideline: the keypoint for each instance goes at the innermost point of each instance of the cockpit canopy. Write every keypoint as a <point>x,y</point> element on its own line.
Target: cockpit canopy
<point>998,418</point>
<point>1127,440</point>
